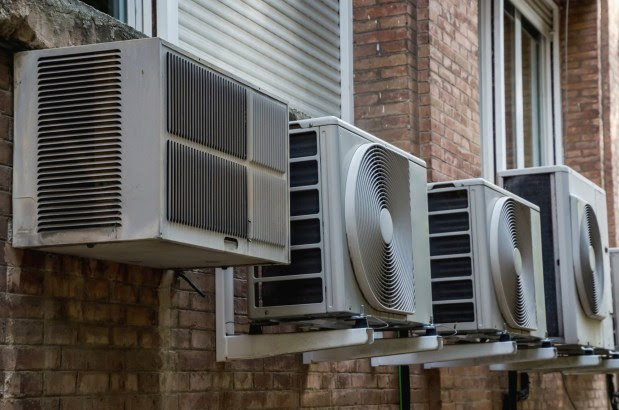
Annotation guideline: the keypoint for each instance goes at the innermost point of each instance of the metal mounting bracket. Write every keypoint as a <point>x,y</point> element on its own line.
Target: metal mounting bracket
<point>605,366</point>
<point>233,347</point>
<point>448,353</point>
<point>521,356</point>
<point>380,346</point>
<point>552,365</point>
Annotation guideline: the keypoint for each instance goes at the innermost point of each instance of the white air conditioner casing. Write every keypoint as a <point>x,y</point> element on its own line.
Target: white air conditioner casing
<point>353,196</point>
<point>486,261</point>
<point>137,152</point>
<point>614,271</point>
<point>575,252</point>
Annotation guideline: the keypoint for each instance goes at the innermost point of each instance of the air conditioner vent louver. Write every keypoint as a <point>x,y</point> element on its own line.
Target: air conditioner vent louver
<point>79,141</point>
<point>511,257</point>
<point>267,148</point>
<point>267,223</point>
<point>378,226</point>
<point>214,198</point>
<point>192,113</point>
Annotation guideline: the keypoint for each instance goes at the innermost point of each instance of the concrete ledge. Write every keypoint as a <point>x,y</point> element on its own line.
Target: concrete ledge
<point>34,24</point>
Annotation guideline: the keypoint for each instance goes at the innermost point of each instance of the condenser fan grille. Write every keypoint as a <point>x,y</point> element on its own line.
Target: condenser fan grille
<point>378,226</point>
<point>589,262</point>
<point>512,263</point>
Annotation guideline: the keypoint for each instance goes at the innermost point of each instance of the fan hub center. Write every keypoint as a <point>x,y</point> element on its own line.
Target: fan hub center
<point>386,225</point>
<point>517,262</point>
<point>592,258</point>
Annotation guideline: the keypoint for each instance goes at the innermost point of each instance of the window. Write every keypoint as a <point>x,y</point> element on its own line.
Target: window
<point>135,13</point>
<point>520,100</point>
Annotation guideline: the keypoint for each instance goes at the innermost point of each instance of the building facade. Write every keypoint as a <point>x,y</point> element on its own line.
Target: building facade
<point>470,86</point>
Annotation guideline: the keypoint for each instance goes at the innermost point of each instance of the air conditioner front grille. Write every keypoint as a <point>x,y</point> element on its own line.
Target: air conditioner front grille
<point>206,108</point>
<point>450,256</point>
<point>205,191</point>
<point>79,143</point>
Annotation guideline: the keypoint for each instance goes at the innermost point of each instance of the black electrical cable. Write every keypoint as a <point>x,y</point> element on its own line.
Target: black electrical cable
<point>404,381</point>
<point>613,395</point>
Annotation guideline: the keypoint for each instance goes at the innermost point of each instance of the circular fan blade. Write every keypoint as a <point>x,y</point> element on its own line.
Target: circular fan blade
<point>589,262</point>
<point>511,256</point>
<point>379,228</point>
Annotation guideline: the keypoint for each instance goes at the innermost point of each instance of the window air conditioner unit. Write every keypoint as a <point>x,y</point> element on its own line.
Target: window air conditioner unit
<point>575,252</point>
<point>138,152</point>
<point>359,233</point>
<point>486,261</point>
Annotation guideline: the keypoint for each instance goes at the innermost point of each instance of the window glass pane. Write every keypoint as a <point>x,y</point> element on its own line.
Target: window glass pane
<point>530,95</point>
<point>115,8</point>
<point>510,94</point>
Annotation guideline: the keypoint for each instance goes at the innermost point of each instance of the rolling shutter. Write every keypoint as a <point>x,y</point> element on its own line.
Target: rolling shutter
<point>288,48</point>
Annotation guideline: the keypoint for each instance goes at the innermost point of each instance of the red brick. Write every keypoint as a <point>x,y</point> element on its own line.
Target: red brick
<point>89,383</point>
<point>23,384</point>
<point>25,332</point>
<point>59,383</point>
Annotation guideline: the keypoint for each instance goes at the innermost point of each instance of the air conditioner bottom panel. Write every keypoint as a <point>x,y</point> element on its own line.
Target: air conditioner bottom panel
<point>157,253</point>
<point>472,329</point>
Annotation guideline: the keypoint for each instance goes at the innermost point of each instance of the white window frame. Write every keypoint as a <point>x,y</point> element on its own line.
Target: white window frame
<point>167,28</point>
<point>140,15</point>
<point>492,105</point>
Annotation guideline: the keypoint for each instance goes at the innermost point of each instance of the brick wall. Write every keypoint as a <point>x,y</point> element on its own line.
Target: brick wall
<point>385,78</point>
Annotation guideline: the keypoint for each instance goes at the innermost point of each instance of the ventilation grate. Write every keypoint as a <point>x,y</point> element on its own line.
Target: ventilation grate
<point>289,292</point>
<point>448,200</point>
<point>205,191</point>
<point>303,145</point>
<point>304,202</point>
<point>270,127</point>
<point>450,259</point>
<point>79,141</point>
<point>302,261</point>
<point>451,222</point>
<point>450,245</point>
<point>192,114</point>
<point>451,267</point>
<point>454,312</point>
<point>452,290</point>
<point>269,217</point>
<point>303,173</point>
<point>305,231</point>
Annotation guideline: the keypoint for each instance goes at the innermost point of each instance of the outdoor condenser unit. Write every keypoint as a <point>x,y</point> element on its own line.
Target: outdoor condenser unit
<point>575,252</point>
<point>138,152</point>
<point>359,233</point>
<point>486,261</point>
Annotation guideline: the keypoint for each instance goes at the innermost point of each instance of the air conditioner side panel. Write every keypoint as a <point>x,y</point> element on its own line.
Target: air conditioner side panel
<point>139,158</point>
<point>489,312</point>
<point>540,299</point>
<point>143,122</point>
<point>421,244</point>
<point>24,149</point>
